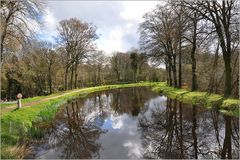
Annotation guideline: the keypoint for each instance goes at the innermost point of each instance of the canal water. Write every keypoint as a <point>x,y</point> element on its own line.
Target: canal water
<point>137,123</point>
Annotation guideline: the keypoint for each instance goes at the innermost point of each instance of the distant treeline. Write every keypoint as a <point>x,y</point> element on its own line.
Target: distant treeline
<point>42,70</point>
<point>197,42</point>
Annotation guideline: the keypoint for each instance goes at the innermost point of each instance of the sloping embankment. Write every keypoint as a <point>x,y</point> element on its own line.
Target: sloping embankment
<point>228,106</point>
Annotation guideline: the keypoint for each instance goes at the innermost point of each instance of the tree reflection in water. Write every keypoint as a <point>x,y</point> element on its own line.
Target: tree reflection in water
<point>77,128</point>
<point>73,136</point>
<point>138,123</point>
<point>188,132</point>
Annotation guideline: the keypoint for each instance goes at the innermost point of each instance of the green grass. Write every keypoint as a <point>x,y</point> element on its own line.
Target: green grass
<point>37,98</point>
<point>25,100</point>
<point>22,120</point>
<point>31,99</point>
<point>6,104</point>
<point>227,106</point>
<point>230,106</point>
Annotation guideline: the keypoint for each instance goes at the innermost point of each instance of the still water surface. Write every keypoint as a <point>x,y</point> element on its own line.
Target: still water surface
<point>138,123</point>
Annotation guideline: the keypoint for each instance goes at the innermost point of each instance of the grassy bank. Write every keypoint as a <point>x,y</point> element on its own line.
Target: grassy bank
<point>227,106</point>
<point>26,100</point>
<point>32,99</point>
<point>20,122</point>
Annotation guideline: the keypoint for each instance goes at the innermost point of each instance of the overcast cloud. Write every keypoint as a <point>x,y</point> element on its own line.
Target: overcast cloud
<point>116,21</point>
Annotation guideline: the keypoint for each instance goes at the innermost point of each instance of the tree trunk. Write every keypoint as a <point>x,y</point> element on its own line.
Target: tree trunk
<point>180,65</point>
<point>50,84</point>
<point>226,50</point>
<point>223,31</point>
<point>118,76</point>
<point>170,73</point>
<point>180,46</point>
<point>2,38</point>
<point>71,78</point>
<point>137,73</point>
<point>174,68</point>
<point>9,95</point>
<point>167,73</point>
<point>194,135</point>
<point>66,78</point>
<point>194,65</point>
<point>134,75</point>
<point>99,76</point>
<point>228,75</point>
<point>194,76</point>
<point>227,144</point>
<point>213,74</point>
<point>235,76</point>
<point>3,35</point>
<point>50,80</point>
<point>181,130</point>
<point>4,27</point>
<point>75,82</point>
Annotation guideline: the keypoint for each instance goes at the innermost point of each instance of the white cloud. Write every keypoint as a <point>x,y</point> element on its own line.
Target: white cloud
<point>111,41</point>
<point>134,10</point>
<point>129,25</point>
<point>50,20</point>
<point>117,122</point>
<point>134,148</point>
<point>48,30</point>
<point>132,13</point>
<point>117,21</point>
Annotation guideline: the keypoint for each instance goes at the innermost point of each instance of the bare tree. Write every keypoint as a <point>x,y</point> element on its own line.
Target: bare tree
<point>181,25</point>
<point>159,36</point>
<point>18,20</point>
<point>50,58</point>
<point>223,16</point>
<point>137,61</point>
<point>192,37</point>
<point>97,61</point>
<point>77,38</point>
<point>134,63</point>
<point>117,62</point>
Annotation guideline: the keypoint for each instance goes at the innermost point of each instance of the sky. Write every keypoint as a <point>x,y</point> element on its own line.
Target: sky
<point>116,21</point>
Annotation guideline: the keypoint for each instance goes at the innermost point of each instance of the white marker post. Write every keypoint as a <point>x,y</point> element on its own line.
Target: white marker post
<point>19,97</point>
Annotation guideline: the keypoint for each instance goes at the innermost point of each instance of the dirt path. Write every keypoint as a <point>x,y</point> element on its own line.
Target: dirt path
<point>35,102</point>
<point>29,104</point>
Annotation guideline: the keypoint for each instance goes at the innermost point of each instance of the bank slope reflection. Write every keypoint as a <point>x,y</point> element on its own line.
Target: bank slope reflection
<point>185,131</point>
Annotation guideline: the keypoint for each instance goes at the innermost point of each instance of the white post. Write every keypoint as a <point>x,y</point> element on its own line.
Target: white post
<point>19,97</point>
<point>19,103</point>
